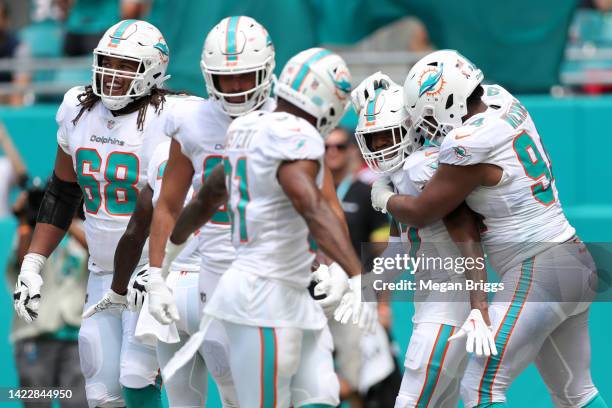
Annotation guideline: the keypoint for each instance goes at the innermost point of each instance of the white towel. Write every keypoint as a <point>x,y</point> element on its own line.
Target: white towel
<point>185,353</point>
<point>149,331</point>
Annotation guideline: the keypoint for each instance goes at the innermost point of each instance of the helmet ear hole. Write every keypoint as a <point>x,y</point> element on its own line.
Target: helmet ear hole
<point>332,111</point>
<point>449,101</point>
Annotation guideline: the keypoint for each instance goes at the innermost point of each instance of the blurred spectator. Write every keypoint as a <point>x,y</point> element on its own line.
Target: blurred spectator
<point>11,47</point>
<point>46,350</point>
<point>87,20</point>
<point>135,9</point>
<point>601,5</point>
<point>354,195</point>
<point>12,170</point>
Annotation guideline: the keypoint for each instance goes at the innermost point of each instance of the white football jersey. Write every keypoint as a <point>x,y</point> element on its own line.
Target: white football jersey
<point>110,157</point>
<point>270,236</point>
<point>523,208</point>
<point>200,127</point>
<point>190,257</point>
<point>266,285</point>
<point>432,242</point>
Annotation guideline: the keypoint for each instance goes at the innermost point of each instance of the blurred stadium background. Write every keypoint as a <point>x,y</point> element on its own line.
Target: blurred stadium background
<point>555,55</point>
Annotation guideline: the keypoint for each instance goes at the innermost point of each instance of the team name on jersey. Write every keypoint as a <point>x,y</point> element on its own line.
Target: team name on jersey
<point>239,139</point>
<point>105,140</point>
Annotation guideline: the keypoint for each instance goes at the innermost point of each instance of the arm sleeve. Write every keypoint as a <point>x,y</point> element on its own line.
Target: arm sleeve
<point>64,116</point>
<point>292,139</point>
<point>467,146</point>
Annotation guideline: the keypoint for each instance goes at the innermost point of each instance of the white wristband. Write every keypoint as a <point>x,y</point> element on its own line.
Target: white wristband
<point>33,263</point>
<point>155,272</point>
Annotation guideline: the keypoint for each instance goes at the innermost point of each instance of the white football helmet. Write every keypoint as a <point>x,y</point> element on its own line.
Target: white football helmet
<point>238,45</point>
<point>319,82</point>
<point>438,87</point>
<point>384,111</point>
<point>132,40</point>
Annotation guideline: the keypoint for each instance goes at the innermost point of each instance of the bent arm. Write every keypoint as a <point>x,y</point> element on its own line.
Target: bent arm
<point>297,179</point>
<point>175,184</point>
<point>329,193</point>
<point>202,207</point>
<point>446,190</point>
<point>131,243</point>
<point>13,155</point>
<point>57,209</point>
<point>462,226</point>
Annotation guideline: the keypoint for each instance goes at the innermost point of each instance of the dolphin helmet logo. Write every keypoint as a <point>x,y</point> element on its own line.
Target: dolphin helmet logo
<point>434,83</point>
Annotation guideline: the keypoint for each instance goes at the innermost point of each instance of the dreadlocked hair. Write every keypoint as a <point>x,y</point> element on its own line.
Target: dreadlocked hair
<point>157,98</point>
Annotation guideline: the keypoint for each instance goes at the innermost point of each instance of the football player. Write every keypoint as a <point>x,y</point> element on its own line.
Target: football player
<point>274,172</point>
<point>491,156</point>
<point>107,133</point>
<point>433,367</point>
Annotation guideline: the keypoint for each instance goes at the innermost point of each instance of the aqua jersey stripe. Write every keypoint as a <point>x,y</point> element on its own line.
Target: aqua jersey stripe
<point>120,30</point>
<point>161,169</point>
<point>231,38</point>
<point>485,391</point>
<point>415,241</point>
<point>371,108</point>
<point>268,369</point>
<point>305,68</point>
<point>434,367</point>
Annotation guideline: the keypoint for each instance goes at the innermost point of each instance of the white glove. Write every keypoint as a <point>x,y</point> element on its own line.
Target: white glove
<point>478,333</point>
<point>363,314</point>
<point>366,89</point>
<point>136,291</point>
<point>161,301</point>
<point>27,289</point>
<point>333,283</point>
<point>171,252</point>
<point>110,301</point>
<point>381,193</point>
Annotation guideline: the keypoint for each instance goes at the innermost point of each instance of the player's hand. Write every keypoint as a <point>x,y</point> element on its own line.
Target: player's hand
<point>26,297</point>
<point>363,314</point>
<point>161,300</point>
<point>110,301</point>
<point>366,89</point>
<point>480,338</point>
<point>136,291</point>
<point>381,193</point>
<point>333,283</point>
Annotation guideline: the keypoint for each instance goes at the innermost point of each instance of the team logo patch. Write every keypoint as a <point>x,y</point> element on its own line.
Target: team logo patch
<point>300,146</point>
<point>342,82</point>
<point>164,51</point>
<point>461,152</point>
<point>431,82</point>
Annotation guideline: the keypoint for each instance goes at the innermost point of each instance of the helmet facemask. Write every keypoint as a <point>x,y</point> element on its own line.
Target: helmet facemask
<point>252,98</point>
<point>404,142</point>
<point>101,75</point>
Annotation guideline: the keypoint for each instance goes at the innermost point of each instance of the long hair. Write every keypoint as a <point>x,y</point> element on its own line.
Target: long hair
<point>157,98</point>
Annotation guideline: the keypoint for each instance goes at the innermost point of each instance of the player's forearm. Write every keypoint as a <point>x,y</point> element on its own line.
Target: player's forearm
<point>45,239</point>
<point>202,207</point>
<point>127,255</point>
<point>11,152</point>
<point>462,226</point>
<point>331,236</point>
<point>406,209</point>
<point>478,273</point>
<point>164,218</point>
<point>131,243</point>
